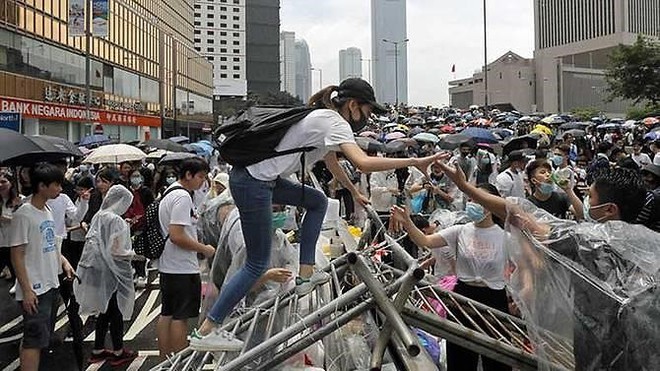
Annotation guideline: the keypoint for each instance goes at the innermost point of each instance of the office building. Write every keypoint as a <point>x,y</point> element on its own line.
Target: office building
<point>389,58</point>
<point>220,37</point>
<point>288,62</point>
<point>303,71</point>
<point>573,39</point>
<point>144,75</point>
<point>350,63</point>
<point>262,32</point>
<point>510,81</point>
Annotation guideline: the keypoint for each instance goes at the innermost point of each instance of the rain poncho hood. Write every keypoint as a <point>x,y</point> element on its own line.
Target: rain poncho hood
<point>594,285</point>
<point>105,264</point>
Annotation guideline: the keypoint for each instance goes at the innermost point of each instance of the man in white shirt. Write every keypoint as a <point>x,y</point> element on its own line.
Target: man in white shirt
<point>180,283</point>
<point>510,182</point>
<point>641,159</point>
<point>37,261</point>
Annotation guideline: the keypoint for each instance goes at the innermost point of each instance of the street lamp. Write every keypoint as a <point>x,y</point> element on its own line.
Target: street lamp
<point>320,76</point>
<point>396,66</point>
<point>485,62</point>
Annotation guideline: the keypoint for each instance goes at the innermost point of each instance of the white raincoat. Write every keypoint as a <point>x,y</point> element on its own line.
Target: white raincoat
<point>105,264</point>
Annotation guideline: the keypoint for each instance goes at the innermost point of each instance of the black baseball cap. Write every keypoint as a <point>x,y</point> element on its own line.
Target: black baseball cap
<point>361,90</point>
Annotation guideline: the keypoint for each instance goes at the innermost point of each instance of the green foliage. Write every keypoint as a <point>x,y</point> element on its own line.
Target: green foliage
<point>585,113</point>
<point>634,72</point>
<point>281,98</point>
<point>638,113</point>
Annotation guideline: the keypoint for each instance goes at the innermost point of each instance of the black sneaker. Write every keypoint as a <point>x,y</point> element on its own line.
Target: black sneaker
<point>126,356</point>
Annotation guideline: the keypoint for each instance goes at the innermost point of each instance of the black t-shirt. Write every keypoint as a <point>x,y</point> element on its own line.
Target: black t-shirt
<point>557,205</point>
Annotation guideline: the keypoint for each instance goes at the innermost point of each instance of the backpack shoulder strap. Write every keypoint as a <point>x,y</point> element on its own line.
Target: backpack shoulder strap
<point>170,190</point>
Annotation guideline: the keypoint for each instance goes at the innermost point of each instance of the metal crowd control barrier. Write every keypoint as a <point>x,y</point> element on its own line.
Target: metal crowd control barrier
<point>282,327</point>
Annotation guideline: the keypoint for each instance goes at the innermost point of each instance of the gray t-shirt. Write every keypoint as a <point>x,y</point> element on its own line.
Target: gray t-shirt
<point>177,208</point>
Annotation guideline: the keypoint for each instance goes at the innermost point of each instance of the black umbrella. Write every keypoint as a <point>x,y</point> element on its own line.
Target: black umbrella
<point>370,144</point>
<point>578,133</point>
<point>575,125</point>
<point>18,149</point>
<point>59,143</point>
<point>73,314</point>
<point>521,142</point>
<point>452,141</point>
<point>166,144</point>
<point>395,146</point>
<point>176,157</point>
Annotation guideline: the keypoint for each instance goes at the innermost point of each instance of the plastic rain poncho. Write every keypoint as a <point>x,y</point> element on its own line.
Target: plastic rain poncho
<point>592,285</point>
<point>105,264</point>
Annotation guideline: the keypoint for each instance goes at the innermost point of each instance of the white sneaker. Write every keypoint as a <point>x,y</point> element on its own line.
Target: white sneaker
<point>140,282</point>
<point>217,340</point>
<point>305,286</point>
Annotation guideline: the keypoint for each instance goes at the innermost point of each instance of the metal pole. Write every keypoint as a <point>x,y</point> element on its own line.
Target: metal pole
<point>485,62</point>
<point>320,79</point>
<point>188,98</point>
<point>88,67</point>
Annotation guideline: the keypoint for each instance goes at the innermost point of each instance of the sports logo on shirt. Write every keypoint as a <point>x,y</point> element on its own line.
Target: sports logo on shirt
<point>47,230</point>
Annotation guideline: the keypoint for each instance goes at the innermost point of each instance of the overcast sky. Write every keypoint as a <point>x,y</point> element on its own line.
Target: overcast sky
<point>441,33</point>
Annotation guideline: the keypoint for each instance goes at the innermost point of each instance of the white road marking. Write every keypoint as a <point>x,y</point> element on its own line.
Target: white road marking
<point>145,317</point>
<point>137,363</point>
<point>13,366</point>
<point>11,324</point>
<point>9,339</point>
<point>95,366</point>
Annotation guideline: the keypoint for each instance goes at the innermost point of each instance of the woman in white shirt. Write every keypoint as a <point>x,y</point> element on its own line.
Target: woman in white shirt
<point>476,253</point>
<point>9,202</point>
<point>342,110</point>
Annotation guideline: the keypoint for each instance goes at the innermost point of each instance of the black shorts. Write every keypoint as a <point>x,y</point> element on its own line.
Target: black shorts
<point>37,327</point>
<point>181,295</point>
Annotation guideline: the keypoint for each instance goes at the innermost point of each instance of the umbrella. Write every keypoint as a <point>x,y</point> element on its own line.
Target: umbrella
<point>114,154</point>
<point>447,129</point>
<point>629,124</point>
<point>502,133</point>
<point>650,121</point>
<point>608,126</point>
<point>409,142</point>
<point>395,146</point>
<point>553,120</point>
<point>426,137</point>
<point>370,144</point>
<point>652,135</point>
<point>199,149</point>
<point>480,135</point>
<point>416,130</point>
<point>165,144</point>
<point>482,122</point>
<point>368,134</point>
<point>85,151</point>
<point>390,125</point>
<point>176,157</point>
<point>395,135</point>
<point>542,129</point>
<point>60,144</point>
<point>18,149</point>
<point>575,125</point>
<point>578,133</point>
<point>180,139</point>
<point>521,142</point>
<point>435,131</point>
<point>95,139</point>
<point>158,154</point>
<point>452,141</point>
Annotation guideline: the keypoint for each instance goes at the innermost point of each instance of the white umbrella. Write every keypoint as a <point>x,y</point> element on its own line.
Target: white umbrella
<point>158,154</point>
<point>114,154</point>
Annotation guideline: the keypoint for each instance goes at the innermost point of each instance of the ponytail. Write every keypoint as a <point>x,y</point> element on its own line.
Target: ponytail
<point>323,98</point>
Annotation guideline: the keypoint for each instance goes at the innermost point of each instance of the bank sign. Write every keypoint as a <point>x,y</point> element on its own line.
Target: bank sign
<point>10,120</point>
<point>60,112</point>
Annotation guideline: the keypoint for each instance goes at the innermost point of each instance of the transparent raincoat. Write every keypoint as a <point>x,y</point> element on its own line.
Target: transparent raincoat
<point>105,264</point>
<point>594,285</point>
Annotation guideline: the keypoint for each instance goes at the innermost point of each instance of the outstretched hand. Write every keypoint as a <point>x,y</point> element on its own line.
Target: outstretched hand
<point>399,216</point>
<point>455,173</point>
<point>424,162</point>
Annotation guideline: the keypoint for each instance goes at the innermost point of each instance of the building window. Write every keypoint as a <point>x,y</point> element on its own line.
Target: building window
<point>197,48</point>
<point>237,76</point>
<point>223,33</point>
<point>236,42</point>
<point>222,16</point>
<point>197,32</point>
<point>210,50</point>
<point>237,68</point>
<point>236,10</point>
<point>223,8</point>
<point>210,59</point>
<point>237,59</point>
<point>236,2</point>
<point>197,6</point>
<point>210,41</point>
<point>223,42</point>
<point>223,75</point>
<point>223,25</point>
<point>198,40</point>
<point>223,67</point>
<point>236,18</point>
<point>237,26</point>
<point>209,24</point>
<point>197,15</point>
<point>209,32</point>
<point>237,51</point>
<point>236,34</point>
<point>223,59</point>
<point>209,15</point>
<point>209,7</point>
<point>223,50</point>
<point>198,23</point>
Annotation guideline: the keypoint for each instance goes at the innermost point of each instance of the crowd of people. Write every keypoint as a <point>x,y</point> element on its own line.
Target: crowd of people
<point>67,228</point>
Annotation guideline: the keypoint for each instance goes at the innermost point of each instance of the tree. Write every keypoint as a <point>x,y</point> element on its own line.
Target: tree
<point>634,72</point>
<point>585,113</point>
<point>281,98</point>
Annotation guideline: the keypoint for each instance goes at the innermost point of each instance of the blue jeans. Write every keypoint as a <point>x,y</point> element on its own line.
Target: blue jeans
<point>254,199</point>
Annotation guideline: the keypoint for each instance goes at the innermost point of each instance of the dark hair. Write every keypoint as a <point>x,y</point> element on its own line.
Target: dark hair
<point>493,191</point>
<point>193,166</point>
<point>628,163</point>
<point>532,166</point>
<point>13,191</point>
<point>147,175</point>
<point>623,187</point>
<point>615,151</point>
<point>45,174</point>
<point>603,147</point>
<point>541,153</point>
<point>323,99</point>
<point>109,174</point>
<point>419,221</point>
<point>85,182</point>
<point>564,148</point>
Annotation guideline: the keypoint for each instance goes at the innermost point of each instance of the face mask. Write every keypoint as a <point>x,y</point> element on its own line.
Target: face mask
<point>546,188</point>
<point>586,210</point>
<point>359,124</point>
<point>83,168</point>
<point>170,179</point>
<point>279,218</point>
<point>136,181</point>
<point>557,160</point>
<point>475,212</point>
<point>485,160</point>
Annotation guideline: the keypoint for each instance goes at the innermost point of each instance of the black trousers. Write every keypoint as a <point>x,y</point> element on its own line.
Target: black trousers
<point>459,358</point>
<point>113,320</point>
<point>5,260</point>
<point>344,195</point>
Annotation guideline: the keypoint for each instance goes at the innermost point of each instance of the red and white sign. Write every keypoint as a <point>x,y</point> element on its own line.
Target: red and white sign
<point>35,109</point>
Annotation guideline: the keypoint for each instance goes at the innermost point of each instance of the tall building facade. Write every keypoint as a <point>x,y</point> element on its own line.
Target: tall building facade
<point>350,63</point>
<point>389,58</point>
<point>288,62</point>
<point>220,37</point>
<point>303,71</point>
<point>262,31</point>
<point>573,39</point>
<point>139,75</point>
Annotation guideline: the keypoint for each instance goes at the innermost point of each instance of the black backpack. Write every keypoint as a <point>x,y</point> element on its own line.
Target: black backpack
<point>151,242</point>
<point>253,134</point>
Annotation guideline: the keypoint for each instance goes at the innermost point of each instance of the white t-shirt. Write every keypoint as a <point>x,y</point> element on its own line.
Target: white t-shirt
<point>35,229</point>
<point>641,160</point>
<point>381,182</point>
<point>479,253</point>
<point>62,207</point>
<point>656,159</point>
<point>177,208</point>
<point>510,184</point>
<point>323,129</point>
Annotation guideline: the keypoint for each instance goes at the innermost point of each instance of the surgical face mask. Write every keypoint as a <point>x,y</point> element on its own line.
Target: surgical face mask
<point>586,209</point>
<point>359,124</point>
<point>545,188</point>
<point>279,219</point>
<point>83,168</point>
<point>557,160</point>
<point>170,179</point>
<point>475,212</point>
<point>485,160</point>
<point>136,181</point>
